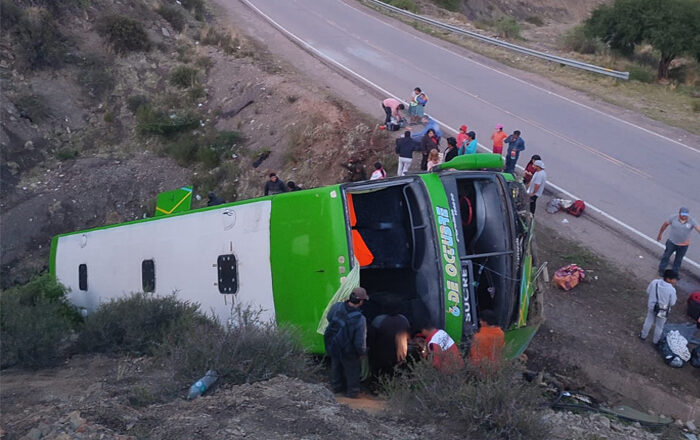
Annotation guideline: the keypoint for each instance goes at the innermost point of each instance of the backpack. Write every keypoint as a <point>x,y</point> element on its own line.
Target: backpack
<point>337,336</point>
<point>576,208</point>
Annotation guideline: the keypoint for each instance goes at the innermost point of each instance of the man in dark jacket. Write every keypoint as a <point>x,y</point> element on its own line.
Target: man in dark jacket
<point>516,144</point>
<point>405,147</point>
<point>274,185</point>
<point>346,342</point>
<point>389,335</point>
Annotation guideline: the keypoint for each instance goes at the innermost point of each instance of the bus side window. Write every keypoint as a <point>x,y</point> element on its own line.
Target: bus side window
<point>228,274</point>
<point>148,276</point>
<point>82,277</point>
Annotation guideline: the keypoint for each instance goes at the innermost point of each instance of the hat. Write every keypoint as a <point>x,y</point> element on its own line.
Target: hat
<point>499,126</point>
<point>463,128</point>
<point>360,293</point>
<point>683,211</point>
<point>539,163</point>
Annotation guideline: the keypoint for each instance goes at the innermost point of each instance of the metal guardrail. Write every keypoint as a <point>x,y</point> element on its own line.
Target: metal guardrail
<point>505,44</point>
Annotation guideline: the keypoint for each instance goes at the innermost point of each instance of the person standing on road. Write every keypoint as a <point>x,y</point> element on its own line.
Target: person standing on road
<point>345,339</point>
<point>497,139</point>
<point>429,142</point>
<point>530,169</point>
<point>461,136</point>
<point>416,106</point>
<point>274,185</point>
<point>662,293</point>
<point>405,147</point>
<point>452,151</point>
<point>678,239</point>
<point>537,183</point>
<point>391,108</point>
<point>469,145</point>
<point>516,144</point>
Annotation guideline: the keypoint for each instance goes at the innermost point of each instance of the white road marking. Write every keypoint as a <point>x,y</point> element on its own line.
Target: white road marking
<point>549,92</point>
<point>388,93</point>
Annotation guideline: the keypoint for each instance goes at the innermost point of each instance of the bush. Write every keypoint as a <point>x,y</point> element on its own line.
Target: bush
<point>183,77</point>
<point>124,34</point>
<point>136,324</point>
<point>10,13</point>
<point>507,27</point>
<point>134,102</point>
<point>247,350</point>
<point>96,77</point>
<point>195,6</point>
<point>641,74</point>
<point>491,403</point>
<point>173,15</point>
<point>409,5</point>
<point>450,5</point>
<point>535,19</point>
<point>40,43</point>
<point>156,122</point>
<point>577,40</point>
<point>33,107</point>
<point>35,320</point>
<point>696,106</point>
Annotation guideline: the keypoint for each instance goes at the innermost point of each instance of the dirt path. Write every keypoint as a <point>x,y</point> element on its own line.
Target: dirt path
<point>590,334</point>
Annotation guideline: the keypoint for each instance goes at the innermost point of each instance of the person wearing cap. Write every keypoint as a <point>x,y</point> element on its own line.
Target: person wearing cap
<point>516,144</point>
<point>497,139</point>
<point>461,136</point>
<point>346,343</point>
<point>469,145</point>
<point>661,292</point>
<point>536,187</point>
<point>678,239</point>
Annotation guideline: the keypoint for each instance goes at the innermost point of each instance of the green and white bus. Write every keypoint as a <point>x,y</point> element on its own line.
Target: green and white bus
<point>452,246</point>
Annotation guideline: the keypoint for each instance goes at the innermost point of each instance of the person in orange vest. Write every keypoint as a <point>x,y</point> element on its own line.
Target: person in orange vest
<point>445,353</point>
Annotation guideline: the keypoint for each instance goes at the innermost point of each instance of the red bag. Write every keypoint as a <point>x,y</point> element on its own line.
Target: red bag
<point>576,208</point>
<point>568,277</point>
<point>694,305</point>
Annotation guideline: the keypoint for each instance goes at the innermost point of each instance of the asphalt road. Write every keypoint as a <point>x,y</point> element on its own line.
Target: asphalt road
<point>636,176</point>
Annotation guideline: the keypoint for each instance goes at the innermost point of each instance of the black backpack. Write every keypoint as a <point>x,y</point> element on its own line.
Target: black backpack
<point>337,336</point>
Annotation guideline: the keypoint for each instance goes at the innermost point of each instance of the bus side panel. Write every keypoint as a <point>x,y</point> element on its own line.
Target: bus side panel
<point>309,257</point>
<point>184,250</point>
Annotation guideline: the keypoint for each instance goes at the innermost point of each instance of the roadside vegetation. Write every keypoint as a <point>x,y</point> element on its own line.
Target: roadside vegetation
<point>653,40</point>
<point>486,402</point>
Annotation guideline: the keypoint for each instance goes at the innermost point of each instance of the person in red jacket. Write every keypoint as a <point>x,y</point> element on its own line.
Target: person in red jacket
<point>445,353</point>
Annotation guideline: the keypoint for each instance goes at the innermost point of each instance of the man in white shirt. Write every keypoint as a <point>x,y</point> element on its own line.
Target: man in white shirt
<point>661,292</point>
<point>537,183</point>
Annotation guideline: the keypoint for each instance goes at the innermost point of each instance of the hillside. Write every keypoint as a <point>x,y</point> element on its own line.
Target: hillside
<point>107,104</point>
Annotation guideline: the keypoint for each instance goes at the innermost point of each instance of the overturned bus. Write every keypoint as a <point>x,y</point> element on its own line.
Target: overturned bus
<point>453,246</point>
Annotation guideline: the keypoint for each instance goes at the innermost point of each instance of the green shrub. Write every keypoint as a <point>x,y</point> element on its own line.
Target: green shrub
<point>576,39</point>
<point>158,122</point>
<point>535,19</point>
<point>134,102</point>
<point>184,149</point>
<point>35,320</point>
<point>33,107</point>
<point>194,6</point>
<point>124,34</point>
<point>696,106</point>
<point>489,403</point>
<point>173,15</point>
<point>204,62</point>
<point>641,74</point>
<point>450,5</point>
<point>408,5</point>
<point>136,324</point>
<point>183,77</point>
<point>247,350</point>
<point>67,153</point>
<point>196,92</point>
<point>10,14</point>
<point>507,27</point>
<point>96,77</point>
<point>40,43</point>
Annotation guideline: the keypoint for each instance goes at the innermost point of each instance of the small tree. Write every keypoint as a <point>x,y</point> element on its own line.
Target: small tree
<point>670,26</point>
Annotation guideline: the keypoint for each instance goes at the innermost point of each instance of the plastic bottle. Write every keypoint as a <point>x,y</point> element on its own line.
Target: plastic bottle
<point>202,384</point>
